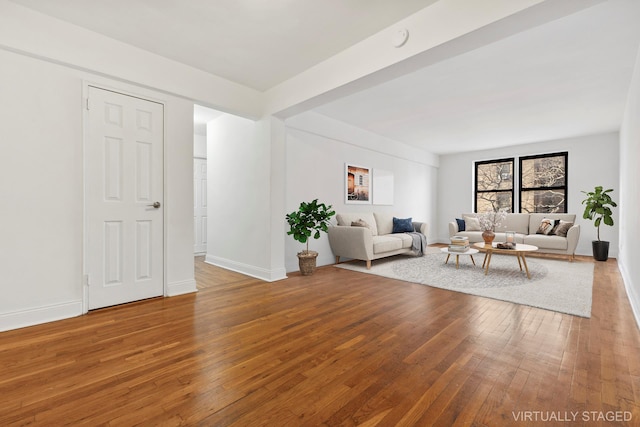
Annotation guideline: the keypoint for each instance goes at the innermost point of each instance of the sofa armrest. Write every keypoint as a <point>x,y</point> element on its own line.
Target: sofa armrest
<point>351,242</point>
<point>453,228</point>
<point>573,234</point>
<point>421,227</point>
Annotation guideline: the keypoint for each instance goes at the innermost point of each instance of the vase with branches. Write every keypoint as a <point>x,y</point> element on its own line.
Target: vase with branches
<point>489,221</point>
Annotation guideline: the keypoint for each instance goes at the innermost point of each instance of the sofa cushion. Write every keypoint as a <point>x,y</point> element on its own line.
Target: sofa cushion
<point>536,218</point>
<point>562,228</point>
<point>402,225</point>
<point>407,240</point>
<point>547,225</point>
<point>471,223</point>
<point>388,242</point>
<point>345,219</point>
<point>384,222</point>
<point>360,223</point>
<point>546,242</point>
<point>517,222</point>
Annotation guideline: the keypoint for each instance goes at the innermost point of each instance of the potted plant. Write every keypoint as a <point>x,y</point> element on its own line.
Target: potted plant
<point>598,206</point>
<point>308,221</point>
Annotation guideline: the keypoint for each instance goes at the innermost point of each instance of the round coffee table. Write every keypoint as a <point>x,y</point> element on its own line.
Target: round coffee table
<point>469,252</point>
<point>519,251</point>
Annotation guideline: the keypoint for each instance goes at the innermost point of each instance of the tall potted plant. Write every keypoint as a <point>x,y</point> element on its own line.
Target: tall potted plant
<point>598,206</point>
<point>308,221</point>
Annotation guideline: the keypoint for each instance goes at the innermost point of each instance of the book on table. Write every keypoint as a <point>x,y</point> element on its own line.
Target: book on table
<point>459,244</point>
<point>459,240</point>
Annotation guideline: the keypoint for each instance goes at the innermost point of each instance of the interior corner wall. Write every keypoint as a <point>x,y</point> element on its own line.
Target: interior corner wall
<point>41,164</point>
<point>273,130</point>
<point>239,197</point>
<point>317,149</point>
<point>178,161</point>
<point>199,146</point>
<point>629,198</point>
<point>593,160</point>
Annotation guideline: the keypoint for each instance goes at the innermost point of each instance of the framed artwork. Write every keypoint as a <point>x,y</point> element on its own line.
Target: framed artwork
<point>382,187</point>
<point>357,184</point>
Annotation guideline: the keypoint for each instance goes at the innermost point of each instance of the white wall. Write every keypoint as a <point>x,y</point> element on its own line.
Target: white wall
<point>629,195</point>
<point>593,160</point>
<point>316,150</point>
<point>41,191</point>
<point>178,161</point>
<point>41,146</point>
<point>239,197</point>
<point>200,146</point>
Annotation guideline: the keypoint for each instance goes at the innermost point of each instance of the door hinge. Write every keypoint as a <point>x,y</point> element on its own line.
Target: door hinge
<point>87,104</point>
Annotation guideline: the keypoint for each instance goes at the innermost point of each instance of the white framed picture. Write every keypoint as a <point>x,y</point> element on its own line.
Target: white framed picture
<point>357,184</point>
<point>382,187</point>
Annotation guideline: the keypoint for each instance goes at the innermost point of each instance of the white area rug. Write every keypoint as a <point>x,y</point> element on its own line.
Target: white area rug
<point>557,285</point>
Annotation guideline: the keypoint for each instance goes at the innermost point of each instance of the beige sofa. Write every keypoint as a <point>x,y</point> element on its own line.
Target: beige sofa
<point>372,242</point>
<point>525,227</point>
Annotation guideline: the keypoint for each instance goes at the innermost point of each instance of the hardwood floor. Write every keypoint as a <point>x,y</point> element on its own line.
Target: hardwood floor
<point>338,348</point>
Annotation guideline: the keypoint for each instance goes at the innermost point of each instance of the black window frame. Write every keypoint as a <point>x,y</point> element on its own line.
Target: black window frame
<point>564,154</point>
<point>512,191</point>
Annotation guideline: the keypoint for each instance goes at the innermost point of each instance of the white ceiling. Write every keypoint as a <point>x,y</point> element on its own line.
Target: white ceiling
<point>257,43</point>
<point>566,78</point>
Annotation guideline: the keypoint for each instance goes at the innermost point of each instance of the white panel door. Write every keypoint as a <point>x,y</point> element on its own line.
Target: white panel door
<point>124,198</point>
<point>200,205</point>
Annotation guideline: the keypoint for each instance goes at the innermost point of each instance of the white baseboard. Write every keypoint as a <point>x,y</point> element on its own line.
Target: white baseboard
<point>630,287</point>
<point>180,288</point>
<point>37,316</point>
<point>249,270</point>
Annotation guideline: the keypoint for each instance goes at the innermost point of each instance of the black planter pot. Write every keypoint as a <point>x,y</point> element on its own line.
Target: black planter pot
<point>600,250</point>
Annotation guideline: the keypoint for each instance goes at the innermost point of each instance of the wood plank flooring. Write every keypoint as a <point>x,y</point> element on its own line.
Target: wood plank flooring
<point>338,348</point>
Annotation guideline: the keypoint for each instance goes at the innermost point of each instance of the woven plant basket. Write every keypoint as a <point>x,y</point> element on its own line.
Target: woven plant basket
<point>307,262</point>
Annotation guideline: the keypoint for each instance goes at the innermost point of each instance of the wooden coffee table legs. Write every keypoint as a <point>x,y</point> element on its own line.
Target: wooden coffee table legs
<point>458,259</point>
<point>524,261</point>
<point>521,261</point>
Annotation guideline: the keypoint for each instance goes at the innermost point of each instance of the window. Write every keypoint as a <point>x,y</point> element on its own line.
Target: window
<point>543,183</point>
<point>494,185</point>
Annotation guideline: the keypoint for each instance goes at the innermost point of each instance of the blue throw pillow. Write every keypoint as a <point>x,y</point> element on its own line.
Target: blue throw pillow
<point>402,225</point>
<point>461,224</point>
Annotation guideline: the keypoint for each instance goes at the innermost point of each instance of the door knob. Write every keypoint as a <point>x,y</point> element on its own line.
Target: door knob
<point>155,205</point>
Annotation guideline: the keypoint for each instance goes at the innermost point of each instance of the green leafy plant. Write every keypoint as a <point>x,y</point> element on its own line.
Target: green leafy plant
<point>598,206</point>
<point>309,220</point>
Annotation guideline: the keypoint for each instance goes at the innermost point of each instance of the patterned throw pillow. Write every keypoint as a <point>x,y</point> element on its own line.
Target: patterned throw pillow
<point>546,226</point>
<point>472,224</point>
<point>360,223</point>
<point>402,225</point>
<point>563,228</point>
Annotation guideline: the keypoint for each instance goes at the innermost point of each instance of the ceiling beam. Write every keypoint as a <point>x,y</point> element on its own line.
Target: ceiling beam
<point>34,34</point>
<point>442,30</point>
